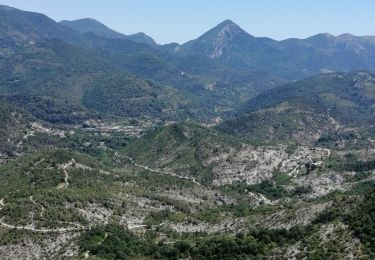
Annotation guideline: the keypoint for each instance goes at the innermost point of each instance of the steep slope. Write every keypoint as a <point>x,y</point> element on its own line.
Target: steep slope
<point>224,41</point>
<point>307,109</point>
<point>13,127</point>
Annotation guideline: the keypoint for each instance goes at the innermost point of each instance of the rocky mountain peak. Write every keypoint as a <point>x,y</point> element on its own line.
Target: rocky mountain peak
<point>229,24</point>
<point>221,35</point>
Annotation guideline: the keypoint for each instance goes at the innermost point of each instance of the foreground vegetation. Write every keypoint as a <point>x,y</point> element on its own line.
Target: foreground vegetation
<point>116,242</point>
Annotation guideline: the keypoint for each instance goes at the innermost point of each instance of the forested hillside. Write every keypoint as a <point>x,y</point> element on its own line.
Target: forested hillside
<point>229,146</point>
<point>337,103</point>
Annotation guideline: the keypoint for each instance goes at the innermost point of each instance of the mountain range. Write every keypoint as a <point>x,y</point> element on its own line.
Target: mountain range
<point>214,74</point>
<point>229,146</point>
<point>229,44</point>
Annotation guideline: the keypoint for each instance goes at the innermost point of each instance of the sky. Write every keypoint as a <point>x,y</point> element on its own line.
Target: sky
<point>183,20</point>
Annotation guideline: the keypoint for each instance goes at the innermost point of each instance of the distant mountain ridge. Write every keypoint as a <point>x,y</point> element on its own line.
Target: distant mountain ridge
<point>28,26</point>
<point>204,79</point>
<point>61,75</point>
<point>89,25</point>
<point>228,44</point>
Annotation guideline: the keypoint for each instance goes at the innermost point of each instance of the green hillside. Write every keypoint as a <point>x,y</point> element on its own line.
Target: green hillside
<point>13,125</point>
<point>182,148</point>
<point>321,105</point>
<point>63,76</point>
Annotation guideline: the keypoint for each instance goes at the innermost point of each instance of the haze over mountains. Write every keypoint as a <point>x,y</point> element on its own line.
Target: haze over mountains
<point>231,45</point>
<point>88,25</point>
<point>213,74</point>
<point>228,146</point>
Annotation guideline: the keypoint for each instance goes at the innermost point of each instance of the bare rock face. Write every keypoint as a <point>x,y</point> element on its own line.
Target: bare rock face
<point>253,165</point>
<point>227,33</point>
<point>45,246</point>
<point>217,41</point>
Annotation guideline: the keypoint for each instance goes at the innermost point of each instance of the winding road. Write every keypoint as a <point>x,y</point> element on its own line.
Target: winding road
<point>35,203</point>
<point>78,227</point>
<point>144,167</point>
<point>40,230</point>
<point>64,167</point>
<point>46,230</point>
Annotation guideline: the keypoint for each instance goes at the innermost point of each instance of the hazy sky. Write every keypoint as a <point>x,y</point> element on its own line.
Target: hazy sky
<point>183,20</point>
